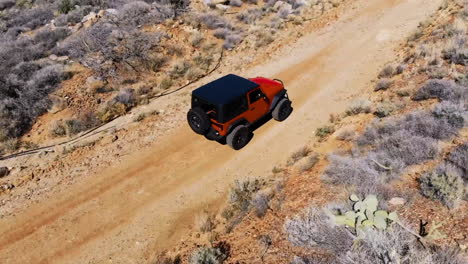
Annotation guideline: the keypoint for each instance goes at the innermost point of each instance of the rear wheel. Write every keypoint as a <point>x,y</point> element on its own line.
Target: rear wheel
<point>239,137</point>
<point>282,110</point>
<point>198,120</point>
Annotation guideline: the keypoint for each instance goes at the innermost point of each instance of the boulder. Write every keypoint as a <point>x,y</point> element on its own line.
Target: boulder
<point>215,2</point>
<point>278,5</point>
<point>90,16</point>
<point>222,7</point>
<point>397,201</point>
<point>4,171</point>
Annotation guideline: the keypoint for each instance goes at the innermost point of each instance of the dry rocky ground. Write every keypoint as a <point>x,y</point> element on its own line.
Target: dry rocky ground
<point>254,231</point>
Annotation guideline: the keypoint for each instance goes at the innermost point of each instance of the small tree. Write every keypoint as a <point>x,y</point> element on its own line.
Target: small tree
<point>65,6</point>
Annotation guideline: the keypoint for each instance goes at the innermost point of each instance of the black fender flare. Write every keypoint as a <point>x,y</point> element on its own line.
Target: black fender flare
<point>277,98</point>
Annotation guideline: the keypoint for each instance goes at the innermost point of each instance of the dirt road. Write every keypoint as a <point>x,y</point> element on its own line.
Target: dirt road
<point>151,200</point>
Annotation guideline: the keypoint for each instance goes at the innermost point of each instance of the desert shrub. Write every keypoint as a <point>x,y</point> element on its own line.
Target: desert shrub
<point>384,109</point>
<point>316,229</point>
<point>309,162</point>
<point>214,21</point>
<point>193,74</point>
<point>74,16</point>
<point>208,255</point>
<point>459,158</point>
<point>32,18</point>
<point>383,84</point>
<point>324,131</point>
<point>23,100</point>
<point>48,38</point>
<point>138,13</point>
<point>111,110</point>
<point>196,39</point>
<point>351,170</point>
<point>359,106</point>
<point>203,61</point>
<point>65,6</point>
<point>284,11</point>
<point>346,135</point>
<point>387,72</point>
<point>135,47</point>
<point>241,194</point>
<point>260,204</point>
<point>400,68</point>
<point>94,39</point>
<point>409,148</point>
<point>174,50</point>
<point>180,69</point>
<point>458,52</point>
<point>250,15</point>
<point>126,97</point>
<point>264,37</point>
<point>165,84</point>
<point>205,222</point>
<point>442,90</point>
<point>221,33</point>
<point>299,154</point>
<point>444,184</point>
<point>420,123</point>
<point>5,4</point>
<point>232,40</point>
<point>163,259</point>
<point>393,246</point>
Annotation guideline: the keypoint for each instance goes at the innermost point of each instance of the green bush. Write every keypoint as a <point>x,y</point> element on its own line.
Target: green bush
<point>323,132</point>
<point>444,184</point>
<point>208,255</point>
<point>65,6</point>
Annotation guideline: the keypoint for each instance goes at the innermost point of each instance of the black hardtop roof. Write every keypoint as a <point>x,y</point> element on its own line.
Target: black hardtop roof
<point>224,89</point>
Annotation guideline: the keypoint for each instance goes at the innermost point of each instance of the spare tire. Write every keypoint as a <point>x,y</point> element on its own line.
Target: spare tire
<point>198,120</point>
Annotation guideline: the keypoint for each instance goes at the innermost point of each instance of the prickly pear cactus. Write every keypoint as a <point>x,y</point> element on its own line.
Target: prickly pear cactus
<point>365,214</point>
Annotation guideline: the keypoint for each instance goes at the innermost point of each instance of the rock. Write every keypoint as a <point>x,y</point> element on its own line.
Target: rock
<point>101,13</point>
<point>222,7</point>
<point>215,2</point>
<point>90,16</point>
<point>7,186</point>
<point>397,201</point>
<point>53,57</point>
<point>110,139</point>
<point>62,58</point>
<point>112,11</point>
<point>4,171</point>
<point>278,5</point>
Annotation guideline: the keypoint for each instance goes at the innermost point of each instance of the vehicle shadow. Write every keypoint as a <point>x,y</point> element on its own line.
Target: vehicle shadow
<point>252,128</point>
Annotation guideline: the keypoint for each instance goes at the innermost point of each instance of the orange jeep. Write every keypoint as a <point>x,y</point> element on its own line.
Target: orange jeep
<point>229,108</point>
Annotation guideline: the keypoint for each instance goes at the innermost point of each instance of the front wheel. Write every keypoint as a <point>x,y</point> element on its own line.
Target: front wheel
<point>239,137</point>
<point>282,110</point>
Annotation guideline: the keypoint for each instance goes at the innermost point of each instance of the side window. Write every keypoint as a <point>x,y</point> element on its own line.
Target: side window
<point>235,108</point>
<point>255,95</point>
